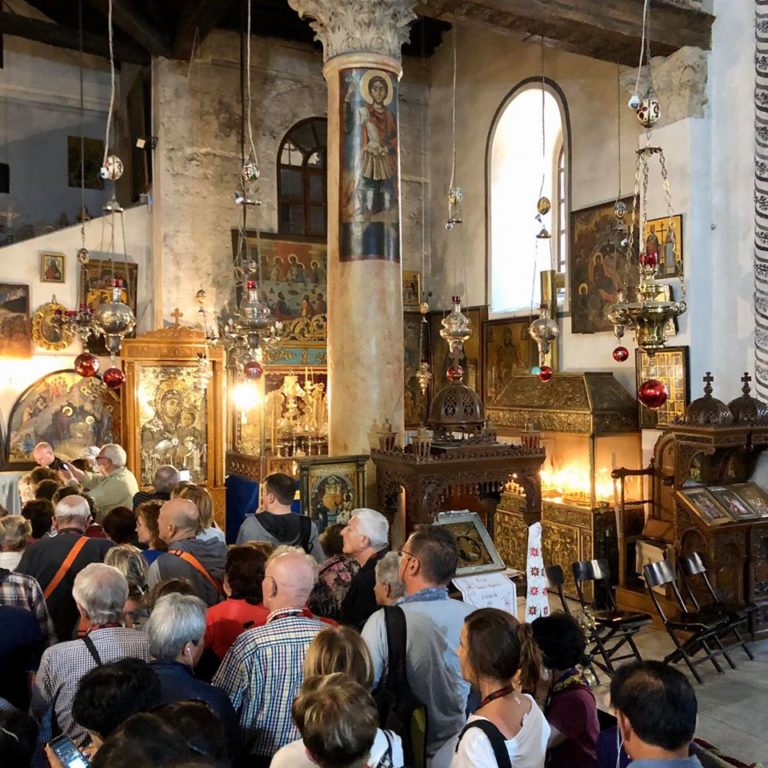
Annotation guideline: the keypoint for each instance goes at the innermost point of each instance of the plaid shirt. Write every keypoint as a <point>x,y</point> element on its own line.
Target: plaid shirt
<point>64,664</point>
<point>262,673</point>
<point>20,591</point>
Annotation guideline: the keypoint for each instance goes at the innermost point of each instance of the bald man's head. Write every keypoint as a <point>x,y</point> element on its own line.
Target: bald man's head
<point>288,578</point>
<point>179,519</point>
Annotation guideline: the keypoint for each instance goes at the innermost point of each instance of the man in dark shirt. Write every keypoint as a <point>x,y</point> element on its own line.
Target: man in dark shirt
<point>44,559</point>
<point>44,456</point>
<point>165,480</point>
<point>366,539</point>
<point>21,646</point>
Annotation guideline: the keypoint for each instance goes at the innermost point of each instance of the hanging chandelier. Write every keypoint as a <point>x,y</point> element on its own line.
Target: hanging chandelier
<point>649,312</point>
<point>249,328</point>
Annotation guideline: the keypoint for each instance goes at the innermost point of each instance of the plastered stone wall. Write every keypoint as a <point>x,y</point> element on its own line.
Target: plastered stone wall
<point>197,160</point>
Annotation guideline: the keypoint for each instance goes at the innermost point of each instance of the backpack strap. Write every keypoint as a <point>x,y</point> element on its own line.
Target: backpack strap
<point>65,566</point>
<point>305,532</point>
<point>397,636</point>
<point>198,566</point>
<point>91,646</point>
<point>387,760</point>
<point>495,736</point>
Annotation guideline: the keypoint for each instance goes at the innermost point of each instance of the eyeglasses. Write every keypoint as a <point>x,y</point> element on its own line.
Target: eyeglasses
<point>401,552</point>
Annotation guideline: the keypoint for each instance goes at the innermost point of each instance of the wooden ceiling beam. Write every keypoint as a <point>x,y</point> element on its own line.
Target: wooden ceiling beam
<point>201,18</point>
<point>67,37</point>
<point>130,20</point>
<point>603,29</point>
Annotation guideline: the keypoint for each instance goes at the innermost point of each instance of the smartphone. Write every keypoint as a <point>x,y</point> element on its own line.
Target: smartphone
<point>71,757</point>
<point>184,474</point>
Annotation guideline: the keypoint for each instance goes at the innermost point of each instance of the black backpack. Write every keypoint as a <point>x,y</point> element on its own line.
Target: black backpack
<point>305,530</point>
<point>400,709</point>
<point>495,736</point>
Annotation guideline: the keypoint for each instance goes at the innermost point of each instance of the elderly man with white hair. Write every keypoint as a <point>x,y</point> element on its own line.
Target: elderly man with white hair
<point>165,480</point>
<point>114,485</point>
<point>44,456</point>
<point>55,562</point>
<point>100,592</point>
<point>366,540</point>
<point>176,630</point>
<point>263,670</point>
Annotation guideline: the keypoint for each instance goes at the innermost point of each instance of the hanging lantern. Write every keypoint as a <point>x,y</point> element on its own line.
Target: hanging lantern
<point>114,378</point>
<point>653,393</point>
<point>455,373</point>
<point>423,376</point>
<point>649,111</point>
<point>114,318</point>
<point>544,330</point>
<point>543,206</point>
<point>83,256</point>
<point>87,365</point>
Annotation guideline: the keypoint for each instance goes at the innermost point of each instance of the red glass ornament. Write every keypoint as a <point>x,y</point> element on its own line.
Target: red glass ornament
<point>114,378</point>
<point>253,369</point>
<point>544,374</point>
<point>87,365</point>
<point>653,393</point>
<point>620,354</point>
<point>649,259</point>
<point>455,373</point>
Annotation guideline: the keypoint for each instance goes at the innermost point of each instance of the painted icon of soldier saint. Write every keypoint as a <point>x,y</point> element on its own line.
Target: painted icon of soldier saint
<point>377,128</point>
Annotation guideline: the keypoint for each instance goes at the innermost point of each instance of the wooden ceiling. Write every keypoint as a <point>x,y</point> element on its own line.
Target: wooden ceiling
<point>603,29</point>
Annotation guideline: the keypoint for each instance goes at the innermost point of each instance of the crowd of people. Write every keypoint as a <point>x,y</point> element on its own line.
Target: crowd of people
<point>133,635</point>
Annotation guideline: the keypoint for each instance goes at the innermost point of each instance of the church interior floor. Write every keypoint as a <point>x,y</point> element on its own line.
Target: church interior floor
<point>733,707</point>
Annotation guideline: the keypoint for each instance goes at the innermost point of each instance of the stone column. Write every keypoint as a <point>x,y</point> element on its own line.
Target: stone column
<point>362,41</point>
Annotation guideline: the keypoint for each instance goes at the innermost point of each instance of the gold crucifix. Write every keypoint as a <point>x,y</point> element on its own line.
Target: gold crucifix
<point>176,314</point>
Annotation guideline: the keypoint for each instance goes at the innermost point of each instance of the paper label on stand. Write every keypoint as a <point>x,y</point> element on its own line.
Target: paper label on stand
<point>488,590</point>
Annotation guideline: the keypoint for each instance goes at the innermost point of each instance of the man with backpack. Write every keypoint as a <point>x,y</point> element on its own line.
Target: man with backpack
<point>276,524</point>
<point>433,623</point>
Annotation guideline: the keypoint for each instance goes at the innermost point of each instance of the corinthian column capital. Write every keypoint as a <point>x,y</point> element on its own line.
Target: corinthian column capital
<point>358,26</point>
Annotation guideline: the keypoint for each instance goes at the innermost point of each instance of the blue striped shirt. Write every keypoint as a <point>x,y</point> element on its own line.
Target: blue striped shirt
<point>262,673</point>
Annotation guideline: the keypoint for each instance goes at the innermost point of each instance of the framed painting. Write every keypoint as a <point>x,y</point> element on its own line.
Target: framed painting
<point>369,214</point>
<point>52,267</point>
<point>477,552</point>
<point>665,238</point>
<point>331,487</point>
<point>473,348</point>
<point>508,350</point>
<point>47,332</point>
<point>172,421</point>
<point>64,409</point>
<point>96,288</point>
<point>732,503</point>
<point>753,496</point>
<point>669,365</point>
<point>416,404</point>
<point>15,329</point>
<point>294,279</point>
<point>171,415</point>
<point>598,266</point>
<point>411,289</point>
<point>704,505</point>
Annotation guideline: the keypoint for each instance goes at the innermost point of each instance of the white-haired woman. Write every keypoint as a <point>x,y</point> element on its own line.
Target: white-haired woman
<point>130,561</point>
<point>176,628</point>
<point>366,540</point>
<point>14,532</point>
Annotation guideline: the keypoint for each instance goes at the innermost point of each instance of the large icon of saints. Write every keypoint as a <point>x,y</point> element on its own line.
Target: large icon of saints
<point>173,423</point>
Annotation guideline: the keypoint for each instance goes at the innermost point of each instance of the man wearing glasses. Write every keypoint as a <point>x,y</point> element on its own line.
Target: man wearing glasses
<point>113,485</point>
<point>428,562</point>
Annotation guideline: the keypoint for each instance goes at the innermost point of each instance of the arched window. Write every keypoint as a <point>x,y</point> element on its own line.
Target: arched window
<point>518,174</point>
<point>301,180</point>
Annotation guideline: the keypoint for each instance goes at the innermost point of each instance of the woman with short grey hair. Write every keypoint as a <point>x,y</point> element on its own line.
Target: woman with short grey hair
<point>176,628</point>
<point>389,589</point>
<point>14,531</point>
<point>100,592</point>
<point>130,561</point>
